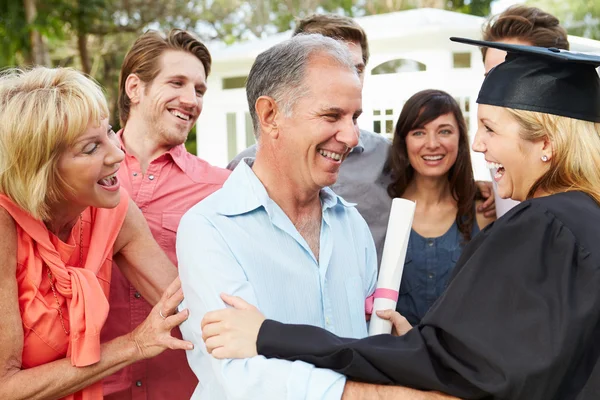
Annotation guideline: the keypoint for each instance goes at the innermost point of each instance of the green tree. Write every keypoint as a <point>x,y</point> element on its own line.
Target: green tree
<point>24,33</point>
<point>475,7</point>
<point>14,38</point>
<point>579,17</point>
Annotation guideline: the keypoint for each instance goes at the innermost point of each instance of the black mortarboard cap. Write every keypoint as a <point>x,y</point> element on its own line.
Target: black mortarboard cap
<point>546,80</point>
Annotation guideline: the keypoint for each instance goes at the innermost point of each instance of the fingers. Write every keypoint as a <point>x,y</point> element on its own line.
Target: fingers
<point>401,325</point>
<point>236,302</point>
<point>491,213</point>
<point>214,343</point>
<point>386,314</point>
<point>178,344</point>
<point>219,315</point>
<point>177,319</point>
<point>168,304</point>
<point>222,353</point>
<point>172,288</point>
<point>485,188</point>
<point>489,202</point>
<point>215,316</point>
<point>211,330</point>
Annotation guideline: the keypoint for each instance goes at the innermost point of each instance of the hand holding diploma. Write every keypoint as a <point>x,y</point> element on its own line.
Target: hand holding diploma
<point>392,264</point>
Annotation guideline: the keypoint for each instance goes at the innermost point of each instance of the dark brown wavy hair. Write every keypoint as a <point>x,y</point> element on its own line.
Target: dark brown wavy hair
<point>422,108</point>
<point>528,24</point>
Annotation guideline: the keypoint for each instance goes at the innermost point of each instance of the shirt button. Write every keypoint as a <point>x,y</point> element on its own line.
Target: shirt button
<point>327,321</point>
<point>431,275</point>
<point>151,177</point>
<point>135,174</point>
<point>138,384</point>
<point>430,242</point>
<point>137,295</point>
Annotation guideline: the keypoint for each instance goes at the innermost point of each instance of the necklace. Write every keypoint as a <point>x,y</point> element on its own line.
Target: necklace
<point>51,277</point>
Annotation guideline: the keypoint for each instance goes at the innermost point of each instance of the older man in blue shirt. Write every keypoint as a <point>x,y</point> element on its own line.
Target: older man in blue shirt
<point>275,234</point>
<point>363,178</point>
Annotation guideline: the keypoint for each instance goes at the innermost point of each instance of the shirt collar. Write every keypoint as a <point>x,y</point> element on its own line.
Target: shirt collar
<point>246,193</point>
<point>176,153</point>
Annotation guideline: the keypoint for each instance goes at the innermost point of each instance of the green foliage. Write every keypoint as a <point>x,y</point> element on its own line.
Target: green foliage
<point>190,143</point>
<point>94,35</point>
<point>14,34</point>
<point>580,17</point>
<point>474,7</point>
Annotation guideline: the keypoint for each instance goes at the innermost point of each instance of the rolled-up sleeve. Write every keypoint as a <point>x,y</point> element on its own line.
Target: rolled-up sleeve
<point>208,267</point>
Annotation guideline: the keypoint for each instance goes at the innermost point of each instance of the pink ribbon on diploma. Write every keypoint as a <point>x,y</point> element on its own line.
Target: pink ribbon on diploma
<point>379,294</point>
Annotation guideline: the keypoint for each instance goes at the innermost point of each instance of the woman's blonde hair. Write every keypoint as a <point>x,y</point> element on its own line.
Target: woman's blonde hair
<point>42,113</point>
<point>575,162</point>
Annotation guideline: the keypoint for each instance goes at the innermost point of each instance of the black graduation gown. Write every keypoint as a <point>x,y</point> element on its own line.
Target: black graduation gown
<point>519,319</point>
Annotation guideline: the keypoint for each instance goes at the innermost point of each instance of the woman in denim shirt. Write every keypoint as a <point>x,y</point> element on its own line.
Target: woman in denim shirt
<point>430,164</point>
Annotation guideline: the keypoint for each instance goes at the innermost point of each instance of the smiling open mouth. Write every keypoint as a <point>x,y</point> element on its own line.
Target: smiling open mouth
<point>437,157</point>
<point>498,167</point>
<point>109,181</point>
<point>331,155</point>
<point>180,115</point>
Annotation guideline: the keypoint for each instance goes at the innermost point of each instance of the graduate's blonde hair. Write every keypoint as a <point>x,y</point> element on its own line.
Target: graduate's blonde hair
<point>42,113</point>
<point>575,161</point>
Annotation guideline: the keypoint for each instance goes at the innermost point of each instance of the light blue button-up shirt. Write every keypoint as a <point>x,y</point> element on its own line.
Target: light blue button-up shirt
<point>239,241</point>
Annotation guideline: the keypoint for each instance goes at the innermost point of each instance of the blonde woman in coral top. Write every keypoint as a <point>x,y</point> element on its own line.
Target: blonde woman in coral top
<point>63,220</point>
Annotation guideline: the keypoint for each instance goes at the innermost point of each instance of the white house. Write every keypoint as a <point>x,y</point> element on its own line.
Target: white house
<point>410,51</point>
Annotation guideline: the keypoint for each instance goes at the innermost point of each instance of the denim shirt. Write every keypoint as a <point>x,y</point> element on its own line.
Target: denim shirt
<point>427,268</point>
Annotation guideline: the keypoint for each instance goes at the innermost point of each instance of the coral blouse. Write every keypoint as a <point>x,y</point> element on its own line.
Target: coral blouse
<point>81,284</point>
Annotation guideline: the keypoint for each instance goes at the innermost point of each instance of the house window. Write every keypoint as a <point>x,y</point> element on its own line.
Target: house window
<point>383,122</point>
<point>465,106</point>
<point>461,60</point>
<point>398,66</point>
<point>236,82</point>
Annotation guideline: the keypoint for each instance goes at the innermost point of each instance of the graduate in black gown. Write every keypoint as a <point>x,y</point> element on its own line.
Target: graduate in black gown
<point>520,318</point>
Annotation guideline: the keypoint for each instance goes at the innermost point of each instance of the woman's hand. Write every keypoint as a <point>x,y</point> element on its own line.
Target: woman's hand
<point>400,324</point>
<point>488,205</point>
<point>232,332</point>
<point>153,336</point>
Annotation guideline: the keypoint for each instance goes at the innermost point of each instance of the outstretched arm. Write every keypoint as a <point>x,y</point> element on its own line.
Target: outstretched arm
<point>245,318</point>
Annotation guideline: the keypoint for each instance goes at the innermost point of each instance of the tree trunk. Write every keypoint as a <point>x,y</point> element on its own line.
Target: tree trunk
<point>39,49</point>
<point>86,64</point>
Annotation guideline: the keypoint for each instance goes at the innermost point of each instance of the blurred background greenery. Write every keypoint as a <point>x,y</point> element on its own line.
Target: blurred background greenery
<point>94,35</point>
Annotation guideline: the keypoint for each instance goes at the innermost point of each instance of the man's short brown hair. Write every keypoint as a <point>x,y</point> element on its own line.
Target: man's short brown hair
<point>337,27</point>
<point>143,60</point>
<point>527,24</point>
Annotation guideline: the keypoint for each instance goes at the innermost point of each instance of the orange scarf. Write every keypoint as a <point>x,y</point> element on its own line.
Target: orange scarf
<point>84,288</point>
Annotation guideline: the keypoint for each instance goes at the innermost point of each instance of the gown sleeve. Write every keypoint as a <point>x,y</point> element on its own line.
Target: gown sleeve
<point>517,321</point>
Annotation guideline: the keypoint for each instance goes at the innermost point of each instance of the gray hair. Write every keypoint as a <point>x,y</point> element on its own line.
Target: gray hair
<point>279,72</point>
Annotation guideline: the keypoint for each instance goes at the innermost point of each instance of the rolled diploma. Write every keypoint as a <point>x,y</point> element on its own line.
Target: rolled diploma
<point>392,263</point>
